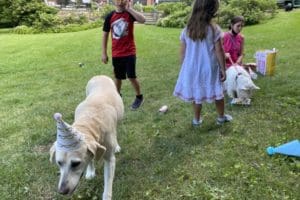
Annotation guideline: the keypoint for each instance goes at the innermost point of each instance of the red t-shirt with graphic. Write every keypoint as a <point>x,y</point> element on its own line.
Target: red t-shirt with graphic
<point>121,26</point>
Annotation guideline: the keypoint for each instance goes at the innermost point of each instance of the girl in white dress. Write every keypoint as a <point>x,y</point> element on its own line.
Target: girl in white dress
<point>202,62</point>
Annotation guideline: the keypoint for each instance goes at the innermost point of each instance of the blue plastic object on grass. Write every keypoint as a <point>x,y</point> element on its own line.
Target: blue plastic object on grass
<point>290,149</point>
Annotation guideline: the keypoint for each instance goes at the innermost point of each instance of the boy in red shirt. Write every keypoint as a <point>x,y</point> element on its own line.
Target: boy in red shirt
<point>121,24</point>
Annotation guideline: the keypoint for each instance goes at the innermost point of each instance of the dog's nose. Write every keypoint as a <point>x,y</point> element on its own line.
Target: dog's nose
<point>63,189</point>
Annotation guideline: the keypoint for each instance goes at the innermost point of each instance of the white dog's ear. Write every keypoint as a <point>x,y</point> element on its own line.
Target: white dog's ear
<point>52,153</point>
<point>96,149</point>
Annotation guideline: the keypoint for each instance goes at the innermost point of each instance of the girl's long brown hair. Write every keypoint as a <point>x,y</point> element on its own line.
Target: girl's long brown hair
<point>202,13</point>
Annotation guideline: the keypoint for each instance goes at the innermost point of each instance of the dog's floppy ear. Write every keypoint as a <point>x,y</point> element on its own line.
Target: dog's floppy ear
<point>96,149</point>
<point>52,153</point>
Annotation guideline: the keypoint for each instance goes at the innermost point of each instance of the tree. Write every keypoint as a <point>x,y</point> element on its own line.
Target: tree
<point>5,13</point>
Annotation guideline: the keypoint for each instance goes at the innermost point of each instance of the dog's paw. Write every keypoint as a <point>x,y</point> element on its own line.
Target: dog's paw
<point>90,171</point>
<point>90,175</point>
<point>106,196</point>
<point>117,149</point>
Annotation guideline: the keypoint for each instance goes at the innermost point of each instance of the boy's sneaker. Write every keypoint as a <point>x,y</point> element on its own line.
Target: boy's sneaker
<point>197,123</point>
<point>137,103</point>
<point>225,118</point>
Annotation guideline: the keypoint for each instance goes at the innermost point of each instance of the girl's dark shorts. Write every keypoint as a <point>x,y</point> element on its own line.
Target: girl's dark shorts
<point>124,67</point>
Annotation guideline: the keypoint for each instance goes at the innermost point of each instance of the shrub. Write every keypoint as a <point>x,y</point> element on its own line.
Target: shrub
<point>106,9</point>
<point>75,27</point>
<point>168,8</point>
<point>33,16</point>
<point>188,2</point>
<point>178,19</point>
<point>138,7</point>
<point>71,18</point>
<point>5,14</point>
<point>60,28</point>
<point>252,10</point>
<point>149,9</point>
<point>24,12</point>
<point>23,30</point>
<point>46,21</point>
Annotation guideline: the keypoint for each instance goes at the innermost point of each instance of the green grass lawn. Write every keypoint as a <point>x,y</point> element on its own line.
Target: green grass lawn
<point>163,156</point>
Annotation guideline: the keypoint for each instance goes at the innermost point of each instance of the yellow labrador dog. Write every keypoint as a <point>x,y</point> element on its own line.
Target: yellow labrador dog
<point>92,136</point>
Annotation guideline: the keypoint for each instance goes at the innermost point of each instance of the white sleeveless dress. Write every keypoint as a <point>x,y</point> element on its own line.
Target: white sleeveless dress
<point>199,77</point>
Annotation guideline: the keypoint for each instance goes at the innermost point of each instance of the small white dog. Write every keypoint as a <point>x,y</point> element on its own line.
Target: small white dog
<point>92,136</point>
<point>239,84</point>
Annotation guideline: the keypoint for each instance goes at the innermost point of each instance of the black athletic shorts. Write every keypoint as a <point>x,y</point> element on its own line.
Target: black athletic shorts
<point>124,67</point>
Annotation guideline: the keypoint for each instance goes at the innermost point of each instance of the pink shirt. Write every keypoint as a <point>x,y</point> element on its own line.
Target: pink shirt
<point>233,45</point>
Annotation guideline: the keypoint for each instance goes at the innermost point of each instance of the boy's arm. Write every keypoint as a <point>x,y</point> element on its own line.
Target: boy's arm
<point>104,47</point>
<point>221,58</point>
<point>139,17</point>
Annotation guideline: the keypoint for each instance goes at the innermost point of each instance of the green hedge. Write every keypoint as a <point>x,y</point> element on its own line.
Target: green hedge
<point>23,12</point>
<point>57,29</point>
<point>149,8</point>
<point>45,19</point>
<point>177,19</point>
<point>33,16</point>
<point>170,8</point>
<point>254,11</point>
